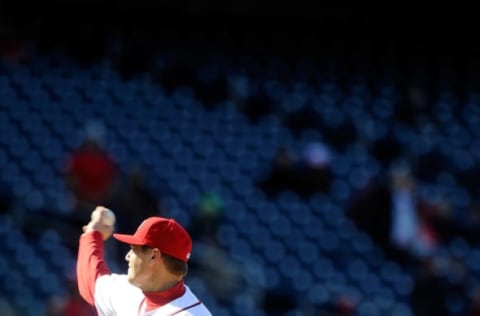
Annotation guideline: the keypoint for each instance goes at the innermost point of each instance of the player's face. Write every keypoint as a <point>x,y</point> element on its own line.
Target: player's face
<point>138,266</point>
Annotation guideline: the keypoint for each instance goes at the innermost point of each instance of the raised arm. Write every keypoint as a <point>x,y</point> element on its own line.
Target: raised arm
<point>90,262</point>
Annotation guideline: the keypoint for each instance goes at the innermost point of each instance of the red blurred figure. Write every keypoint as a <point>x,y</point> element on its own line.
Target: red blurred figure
<point>91,173</point>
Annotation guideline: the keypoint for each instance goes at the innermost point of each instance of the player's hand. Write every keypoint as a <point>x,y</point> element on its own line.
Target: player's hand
<point>97,223</point>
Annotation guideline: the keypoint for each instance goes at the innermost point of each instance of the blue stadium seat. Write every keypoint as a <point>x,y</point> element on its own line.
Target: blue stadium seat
<point>302,281</point>
<point>4,266</point>
<point>459,248</point>
<point>274,251</point>
<point>385,299</point>
<point>243,186</point>
<point>307,252</point>
<point>263,208</point>
<point>368,308</point>
<point>299,214</point>
<point>239,249</point>
<point>323,268</point>
<point>336,282</point>
<point>362,243</point>
<point>273,277</point>
<point>171,145</point>
<point>35,200</point>
<point>383,108</point>
<point>49,240</point>
<point>190,198</point>
<point>358,270</point>
<point>400,309</point>
<point>202,146</point>
<point>227,234</point>
<point>19,112</point>
<point>20,74</point>
<point>8,101</point>
<point>287,200</point>
<point>5,86</point>
<point>21,185</point>
<point>473,259</point>
<point>247,162</point>
<point>280,226</point>
<point>24,299</point>
<point>371,284</point>
<point>404,285</point>
<point>13,282</point>
<point>31,85</point>
<point>319,295</point>
<point>183,158</point>
<point>314,229</point>
<point>3,159</point>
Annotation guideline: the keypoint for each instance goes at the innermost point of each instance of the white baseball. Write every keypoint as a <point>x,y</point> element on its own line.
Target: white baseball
<point>108,216</point>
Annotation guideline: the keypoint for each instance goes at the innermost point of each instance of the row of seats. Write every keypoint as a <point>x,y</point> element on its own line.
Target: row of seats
<point>31,275</point>
<point>308,246</point>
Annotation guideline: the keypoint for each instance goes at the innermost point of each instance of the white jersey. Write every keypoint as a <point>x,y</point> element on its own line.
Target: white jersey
<point>115,296</point>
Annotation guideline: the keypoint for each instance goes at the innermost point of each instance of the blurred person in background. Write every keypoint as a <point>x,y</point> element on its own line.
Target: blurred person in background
<point>282,173</point>
<point>222,276</point>
<point>305,173</point>
<point>411,231</point>
<point>394,213</point>
<point>133,201</point>
<point>91,176</point>
<point>317,158</point>
<point>91,173</point>
<point>207,219</point>
<point>440,286</point>
<point>429,294</point>
<point>226,278</point>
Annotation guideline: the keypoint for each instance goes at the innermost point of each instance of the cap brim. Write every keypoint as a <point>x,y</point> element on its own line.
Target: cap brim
<point>128,239</point>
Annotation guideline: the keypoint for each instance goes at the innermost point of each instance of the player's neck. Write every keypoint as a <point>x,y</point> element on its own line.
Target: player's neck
<point>162,284</point>
<point>158,298</point>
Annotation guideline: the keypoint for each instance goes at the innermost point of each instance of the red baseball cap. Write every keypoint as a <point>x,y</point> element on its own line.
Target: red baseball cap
<point>163,233</point>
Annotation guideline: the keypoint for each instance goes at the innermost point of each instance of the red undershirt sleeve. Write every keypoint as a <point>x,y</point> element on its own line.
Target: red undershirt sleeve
<point>90,264</point>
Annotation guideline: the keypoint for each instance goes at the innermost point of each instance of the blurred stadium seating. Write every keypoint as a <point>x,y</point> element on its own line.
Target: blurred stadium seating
<point>308,247</point>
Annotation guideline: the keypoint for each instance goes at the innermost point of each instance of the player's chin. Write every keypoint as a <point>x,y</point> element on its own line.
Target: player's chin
<point>131,276</point>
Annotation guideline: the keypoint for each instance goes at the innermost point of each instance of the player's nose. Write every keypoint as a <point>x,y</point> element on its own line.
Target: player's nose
<point>127,256</point>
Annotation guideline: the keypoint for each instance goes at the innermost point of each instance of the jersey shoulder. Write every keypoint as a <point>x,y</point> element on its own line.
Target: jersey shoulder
<point>186,305</point>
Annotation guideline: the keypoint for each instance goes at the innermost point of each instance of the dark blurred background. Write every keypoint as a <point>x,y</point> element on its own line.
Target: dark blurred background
<point>324,156</point>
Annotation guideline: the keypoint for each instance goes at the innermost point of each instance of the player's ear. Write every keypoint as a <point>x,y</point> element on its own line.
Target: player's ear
<point>155,255</point>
